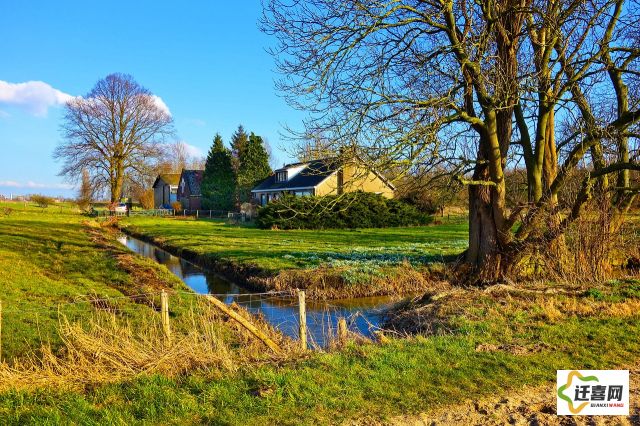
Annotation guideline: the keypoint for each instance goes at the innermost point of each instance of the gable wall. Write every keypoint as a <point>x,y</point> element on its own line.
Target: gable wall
<point>157,195</point>
<point>355,179</point>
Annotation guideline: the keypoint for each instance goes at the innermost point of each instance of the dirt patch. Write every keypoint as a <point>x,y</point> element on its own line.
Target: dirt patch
<point>525,406</point>
<point>512,349</point>
<point>429,313</point>
<point>144,277</point>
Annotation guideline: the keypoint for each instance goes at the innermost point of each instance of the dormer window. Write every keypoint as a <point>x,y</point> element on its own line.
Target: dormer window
<point>281,176</point>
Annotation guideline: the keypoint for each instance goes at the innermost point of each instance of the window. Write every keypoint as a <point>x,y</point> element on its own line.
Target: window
<point>281,176</point>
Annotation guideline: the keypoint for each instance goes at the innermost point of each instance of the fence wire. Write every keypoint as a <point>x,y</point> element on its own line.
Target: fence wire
<point>280,310</point>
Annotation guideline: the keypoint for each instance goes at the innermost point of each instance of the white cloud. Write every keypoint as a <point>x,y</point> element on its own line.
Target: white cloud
<point>160,104</point>
<point>34,185</point>
<point>192,150</point>
<point>36,97</point>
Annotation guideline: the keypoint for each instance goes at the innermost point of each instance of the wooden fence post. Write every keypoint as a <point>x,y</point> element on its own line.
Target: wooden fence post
<point>302,313</point>
<point>197,214</point>
<point>342,331</point>
<point>209,214</point>
<point>164,314</point>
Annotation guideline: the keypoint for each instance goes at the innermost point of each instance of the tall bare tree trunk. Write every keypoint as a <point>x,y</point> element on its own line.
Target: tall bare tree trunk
<point>484,248</point>
<point>117,182</point>
<point>487,206</point>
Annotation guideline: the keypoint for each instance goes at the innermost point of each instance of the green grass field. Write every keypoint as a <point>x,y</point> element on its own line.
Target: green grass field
<point>50,267</point>
<point>366,382</point>
<point>274,250</point>
<point>49,258</point>
<point>46,260</point>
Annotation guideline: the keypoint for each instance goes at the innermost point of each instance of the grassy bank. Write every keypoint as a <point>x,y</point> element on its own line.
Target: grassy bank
<point>47,262</point>
<point>484,353</point>
<point>474,343</point>
<point>328,263</point>
<point>58,267</point>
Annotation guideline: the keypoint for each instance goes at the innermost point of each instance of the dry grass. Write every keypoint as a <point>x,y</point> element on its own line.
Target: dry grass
<point>596,247</point>
<point>330,283</point>
<point>108,349</point>
<point>555,310</point>
<point>439,312</point>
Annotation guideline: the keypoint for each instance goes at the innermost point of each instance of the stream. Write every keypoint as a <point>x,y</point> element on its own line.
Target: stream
<point>363,315</point>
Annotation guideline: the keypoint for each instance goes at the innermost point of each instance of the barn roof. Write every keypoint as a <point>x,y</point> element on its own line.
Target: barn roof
<point>193,179</point>
<point>167,178</point>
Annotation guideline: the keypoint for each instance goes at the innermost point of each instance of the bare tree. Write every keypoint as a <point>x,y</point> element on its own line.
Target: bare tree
<point>177,156</point>
<point>85,194</point>
<point>314,147</point>
<point>42,200</point>
<point>115,133</point>
<point>420,84</point>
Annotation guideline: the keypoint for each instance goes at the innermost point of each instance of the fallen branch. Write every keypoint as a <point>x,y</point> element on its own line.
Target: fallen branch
<point>245,323</point>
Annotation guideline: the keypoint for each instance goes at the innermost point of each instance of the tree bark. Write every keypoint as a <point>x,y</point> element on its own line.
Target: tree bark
<point>117,182</point>
<point>484,249</point>
<point>487,236</point>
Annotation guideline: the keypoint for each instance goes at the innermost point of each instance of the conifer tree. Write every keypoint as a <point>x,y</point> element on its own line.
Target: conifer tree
<point>219,181</point>
<point>253,167</point>
<point>239,141</point>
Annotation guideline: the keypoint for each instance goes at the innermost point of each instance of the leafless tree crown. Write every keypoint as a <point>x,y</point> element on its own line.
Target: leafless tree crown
<point>115,133</point>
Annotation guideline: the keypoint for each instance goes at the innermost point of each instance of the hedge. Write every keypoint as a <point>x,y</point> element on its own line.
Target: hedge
<point>351,210</point>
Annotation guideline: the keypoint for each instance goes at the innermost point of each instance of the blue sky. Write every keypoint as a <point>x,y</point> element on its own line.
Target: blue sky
<point>207,60</point>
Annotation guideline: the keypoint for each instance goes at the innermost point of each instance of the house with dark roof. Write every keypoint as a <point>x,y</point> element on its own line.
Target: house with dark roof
<point>165,190</point>
<point>327,176</point>
<point>189,193</point>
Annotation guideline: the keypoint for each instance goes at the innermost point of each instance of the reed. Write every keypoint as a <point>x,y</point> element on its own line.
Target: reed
<point>108,348</point>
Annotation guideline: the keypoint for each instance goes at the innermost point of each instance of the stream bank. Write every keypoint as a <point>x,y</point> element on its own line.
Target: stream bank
<point>364,315</point>
<point>323,282</point>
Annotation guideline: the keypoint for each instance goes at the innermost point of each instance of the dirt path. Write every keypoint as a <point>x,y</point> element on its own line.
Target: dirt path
<point>528,406</point>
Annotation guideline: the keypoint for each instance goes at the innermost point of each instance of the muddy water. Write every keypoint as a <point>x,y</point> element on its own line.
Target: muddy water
<point>363,314</point>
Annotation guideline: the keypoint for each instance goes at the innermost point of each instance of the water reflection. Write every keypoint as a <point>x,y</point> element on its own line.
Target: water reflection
<point>364,314</point>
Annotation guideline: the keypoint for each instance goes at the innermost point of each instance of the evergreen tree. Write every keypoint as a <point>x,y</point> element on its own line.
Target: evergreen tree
<point>219,181</point>
<point>253,167</point>
<point>239,141</point>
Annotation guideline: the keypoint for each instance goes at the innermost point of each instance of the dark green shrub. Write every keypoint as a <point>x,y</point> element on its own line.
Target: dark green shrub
<point>352,210</point>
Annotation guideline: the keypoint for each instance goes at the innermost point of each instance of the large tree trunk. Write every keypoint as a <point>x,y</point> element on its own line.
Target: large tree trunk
<point>489,231</point>
<point>117,183</point>
<point>484,247</point>
<point>487,236</point>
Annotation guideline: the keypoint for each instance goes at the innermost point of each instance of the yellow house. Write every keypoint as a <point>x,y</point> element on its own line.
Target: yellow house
<point>326,176</point>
